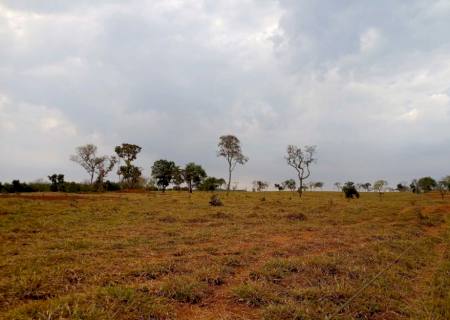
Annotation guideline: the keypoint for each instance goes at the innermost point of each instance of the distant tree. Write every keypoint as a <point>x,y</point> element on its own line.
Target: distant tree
<point>426,184</point>
<point>193,175</point>
<point>338,186</point>
<point>349,190</point>
<point>178,178</point>
<point>104,167</point>
<point>128,173</point>
<point>279,186</point>
<point>443,187</point>
<point>86,156</point>
<point>402,187</point>
<point>318,185</point>
<point>414,186</point>
<point>379,187</point>
<point>301,160</point>
<point>57,182</point>
<point>366,186</point>
<point>163,172</point>
<point>211,184</point>
<point>229,147</point>
<point>446,181</point>
<point>259,185</point>
<point>290,184</point>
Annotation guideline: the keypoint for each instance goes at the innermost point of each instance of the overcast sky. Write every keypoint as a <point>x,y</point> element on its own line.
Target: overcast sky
<point>368,82</point>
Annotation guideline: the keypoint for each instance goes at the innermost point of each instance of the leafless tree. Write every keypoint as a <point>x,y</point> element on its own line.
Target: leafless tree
<point>301,160</point>
<point>338,185</point>
<point>86,156</point>
<point>230,148</point>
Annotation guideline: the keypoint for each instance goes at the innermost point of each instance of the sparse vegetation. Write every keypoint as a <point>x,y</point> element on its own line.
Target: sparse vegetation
<point>154,256</point>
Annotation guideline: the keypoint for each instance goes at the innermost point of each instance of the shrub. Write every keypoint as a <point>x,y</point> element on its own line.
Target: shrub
<point>215,201</point>
<point>183,289</point>
<point>350,191</point>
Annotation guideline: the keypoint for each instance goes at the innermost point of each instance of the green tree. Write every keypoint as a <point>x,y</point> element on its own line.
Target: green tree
<point>229,147</point>
<point>290,184</point>
<point>163,171</point>
<point>57,182</point>
<point>426,184</point>
<point>129,174</point>
<point>193,175</point>
<point>211,184</point>
<point>259,185</point>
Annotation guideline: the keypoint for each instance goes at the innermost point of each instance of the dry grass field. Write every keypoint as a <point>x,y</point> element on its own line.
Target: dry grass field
<point>260,256</point>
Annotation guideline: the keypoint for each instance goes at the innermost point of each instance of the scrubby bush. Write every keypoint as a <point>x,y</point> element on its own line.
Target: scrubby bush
<point>350,191</point>
<point>215,201</point>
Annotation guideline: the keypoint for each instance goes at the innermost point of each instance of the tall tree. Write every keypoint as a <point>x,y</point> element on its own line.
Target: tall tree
<point>163,171</point>
<point>301,160</point>
<point>86,156</point>
<point>128,173</point>
<point>193,175</point>
<point>230,148</point>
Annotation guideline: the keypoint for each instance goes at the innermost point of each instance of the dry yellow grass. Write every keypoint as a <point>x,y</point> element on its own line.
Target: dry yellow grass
<point>260,256</point>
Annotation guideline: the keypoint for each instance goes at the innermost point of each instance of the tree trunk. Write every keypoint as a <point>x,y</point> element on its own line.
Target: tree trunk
<point>190,187</point>
<point>300,189</point>
<point>229,180</point>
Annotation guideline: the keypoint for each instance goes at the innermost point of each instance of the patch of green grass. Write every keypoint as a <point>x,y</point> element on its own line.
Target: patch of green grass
<point>183,289</point>
<point>253,294</point>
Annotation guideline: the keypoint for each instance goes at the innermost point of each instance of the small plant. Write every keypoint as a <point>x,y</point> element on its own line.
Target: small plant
<point>215,201</point>
<point>253,295</point>
<point>183,289</point>
<point>283,312</point>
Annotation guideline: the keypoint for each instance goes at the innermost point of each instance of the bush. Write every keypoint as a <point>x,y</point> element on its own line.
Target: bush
<point>215,201</point>
<point>350,190</point>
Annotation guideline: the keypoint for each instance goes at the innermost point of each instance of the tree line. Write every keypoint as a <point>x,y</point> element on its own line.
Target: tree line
<point>193,176</point>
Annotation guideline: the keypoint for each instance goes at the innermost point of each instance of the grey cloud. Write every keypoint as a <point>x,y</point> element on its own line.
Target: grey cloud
<point>367,82</point>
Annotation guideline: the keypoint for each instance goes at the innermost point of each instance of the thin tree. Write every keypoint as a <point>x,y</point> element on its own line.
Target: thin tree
<point>86,156</point>
<point>230,148</point>
<point>338,185</point>
<point>379,186</point>
<point>301,160</point>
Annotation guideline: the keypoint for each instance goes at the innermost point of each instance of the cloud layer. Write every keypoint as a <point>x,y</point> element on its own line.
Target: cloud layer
<point>368,83</point>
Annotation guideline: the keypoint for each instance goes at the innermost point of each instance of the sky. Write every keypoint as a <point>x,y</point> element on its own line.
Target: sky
<point>367,82</point>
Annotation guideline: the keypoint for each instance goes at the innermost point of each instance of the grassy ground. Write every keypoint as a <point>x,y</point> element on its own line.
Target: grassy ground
<point>260,256</point>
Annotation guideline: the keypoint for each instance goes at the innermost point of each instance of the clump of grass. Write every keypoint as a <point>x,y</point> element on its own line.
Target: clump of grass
<point>296,216</point>
<point>215,201</point>
<point>105,303</point>
<point>253,295</point>
<point>157,270</point>
<point>213,275</point>
<point>284,312</point>
<point>275,270</point>
<point>183,289</point>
